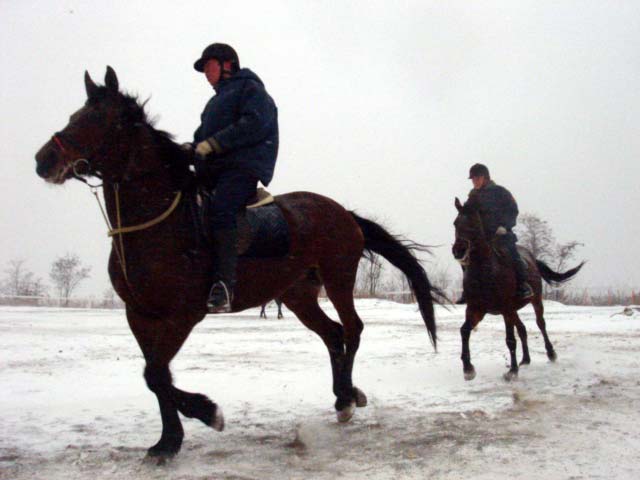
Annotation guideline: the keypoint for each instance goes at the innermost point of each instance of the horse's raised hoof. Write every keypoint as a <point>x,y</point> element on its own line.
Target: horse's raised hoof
<point>361,398</point>
<point>469,374</point>
<point>510,375</point>
<point>217,422</point>
<point>552,356</point>
<point>346,413</point>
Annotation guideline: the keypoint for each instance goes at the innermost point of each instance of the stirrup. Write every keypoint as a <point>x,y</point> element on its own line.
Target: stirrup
<point>220,297</point>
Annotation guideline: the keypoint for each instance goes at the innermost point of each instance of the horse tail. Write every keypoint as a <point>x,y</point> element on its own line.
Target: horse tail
<point>401,254</point>
<point>556,278</point>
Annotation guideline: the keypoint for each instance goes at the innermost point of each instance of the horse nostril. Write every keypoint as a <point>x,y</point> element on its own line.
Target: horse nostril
<point>45,159</point>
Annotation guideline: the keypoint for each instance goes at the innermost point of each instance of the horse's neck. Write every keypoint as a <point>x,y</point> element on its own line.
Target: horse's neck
<point>481,254</point>
<point>144,196</point>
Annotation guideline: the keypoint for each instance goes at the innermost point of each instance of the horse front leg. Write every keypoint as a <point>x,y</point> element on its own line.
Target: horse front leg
<point>158,378</point>
<point>472,318</point>
<point>160,340</point>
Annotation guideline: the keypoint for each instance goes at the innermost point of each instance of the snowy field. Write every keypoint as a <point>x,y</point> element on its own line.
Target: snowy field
<point>74,404</point>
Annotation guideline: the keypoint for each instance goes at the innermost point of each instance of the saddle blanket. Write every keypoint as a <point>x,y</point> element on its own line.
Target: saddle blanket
<point>262,230</point>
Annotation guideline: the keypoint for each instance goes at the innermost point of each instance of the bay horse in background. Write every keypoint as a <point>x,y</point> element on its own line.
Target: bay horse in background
<point>163,273</point>
<point>263,309</point>
<point>490,287</point>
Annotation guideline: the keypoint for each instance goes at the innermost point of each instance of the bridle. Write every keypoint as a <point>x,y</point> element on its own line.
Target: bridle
<point>60,137</point>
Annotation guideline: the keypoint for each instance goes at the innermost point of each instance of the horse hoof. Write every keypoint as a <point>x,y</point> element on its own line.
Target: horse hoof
<point>525,362</point>
<point>470,374</point>
<point>157,459</point>
<point>162,452</point>
<point>361,398</point>
<point>552,356</point>
<point>510,375</point>
<point>346,413</point>
<point>217,423</point>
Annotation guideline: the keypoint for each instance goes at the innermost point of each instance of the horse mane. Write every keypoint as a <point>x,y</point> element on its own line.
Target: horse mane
<point>134,115</point>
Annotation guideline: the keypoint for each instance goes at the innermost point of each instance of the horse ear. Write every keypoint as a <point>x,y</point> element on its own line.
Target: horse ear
<point>111,79</point>
<point>458,204</point>
<point>91,87</point>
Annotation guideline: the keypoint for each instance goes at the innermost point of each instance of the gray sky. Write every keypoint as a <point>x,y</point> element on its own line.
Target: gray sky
<point>383,106</point>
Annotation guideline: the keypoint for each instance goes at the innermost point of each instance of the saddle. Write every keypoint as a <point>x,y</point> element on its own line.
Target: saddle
<point>262,229</point>
<point>504,257</point>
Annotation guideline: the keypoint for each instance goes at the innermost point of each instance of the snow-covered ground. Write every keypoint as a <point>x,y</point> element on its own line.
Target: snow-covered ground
<point>74,405</point>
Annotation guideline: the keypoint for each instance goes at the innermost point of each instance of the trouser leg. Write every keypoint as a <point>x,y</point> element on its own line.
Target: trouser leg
<point>233,190</point>
<point>523,289</point>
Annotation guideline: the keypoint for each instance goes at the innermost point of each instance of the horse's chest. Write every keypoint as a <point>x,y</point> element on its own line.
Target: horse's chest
<point>158,278</point>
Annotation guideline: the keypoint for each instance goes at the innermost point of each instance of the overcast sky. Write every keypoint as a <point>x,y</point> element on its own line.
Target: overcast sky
<point>383,106</point>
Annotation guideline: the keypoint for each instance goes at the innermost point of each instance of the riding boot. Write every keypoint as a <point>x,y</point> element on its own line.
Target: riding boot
<point>226,254</point>
<point>523,289</point>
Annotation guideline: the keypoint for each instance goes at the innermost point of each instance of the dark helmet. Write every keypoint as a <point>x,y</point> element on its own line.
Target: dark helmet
<point>478,170</point>
<point>221,52</point>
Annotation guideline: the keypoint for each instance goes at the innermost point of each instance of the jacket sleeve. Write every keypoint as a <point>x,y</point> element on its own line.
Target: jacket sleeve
<point>197,135</point>
<point>508,209</point>
<point>257,114</point>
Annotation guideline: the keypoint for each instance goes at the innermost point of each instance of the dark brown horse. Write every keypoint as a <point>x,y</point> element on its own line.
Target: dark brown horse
<point>163,274</point>
<point>490,287</point>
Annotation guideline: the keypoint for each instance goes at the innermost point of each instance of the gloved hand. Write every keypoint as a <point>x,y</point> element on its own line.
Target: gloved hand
<point>501,231</point>
<point>187,147</point>
<point>208,146</point>
<point>204,148</point>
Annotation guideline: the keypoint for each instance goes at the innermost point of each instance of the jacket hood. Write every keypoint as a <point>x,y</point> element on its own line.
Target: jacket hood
<point>242,74</point>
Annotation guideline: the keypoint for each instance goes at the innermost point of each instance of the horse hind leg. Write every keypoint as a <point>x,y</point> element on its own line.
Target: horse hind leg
<point>538,308</point>
<point>302,300</point>
<point>522,333</point>
<point>510,322</point>
<point>339,279</point>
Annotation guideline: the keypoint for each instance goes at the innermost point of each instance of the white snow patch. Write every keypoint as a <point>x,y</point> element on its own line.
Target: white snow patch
<point>74,404</point>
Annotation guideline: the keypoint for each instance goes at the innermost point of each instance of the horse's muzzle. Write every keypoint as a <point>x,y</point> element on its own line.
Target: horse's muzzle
<point>460,249</point>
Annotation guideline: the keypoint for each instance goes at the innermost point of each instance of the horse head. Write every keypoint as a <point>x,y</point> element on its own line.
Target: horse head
<point>85,146</point>
<point>468,228</point>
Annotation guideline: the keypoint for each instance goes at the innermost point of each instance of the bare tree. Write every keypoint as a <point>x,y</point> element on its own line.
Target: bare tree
<point>369,275</point>
<point>110,299</point>
<point>535,235</point>
<point>440,278</point>
<point>19,281</point>
<point>66,274</point>
<point>565,252</point>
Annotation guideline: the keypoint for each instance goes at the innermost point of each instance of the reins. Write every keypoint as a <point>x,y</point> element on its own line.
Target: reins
<point>120,230</point>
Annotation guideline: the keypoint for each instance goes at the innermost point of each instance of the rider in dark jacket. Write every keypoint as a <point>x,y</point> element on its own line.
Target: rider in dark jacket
<point>498,211</point>
<point>236,146</point>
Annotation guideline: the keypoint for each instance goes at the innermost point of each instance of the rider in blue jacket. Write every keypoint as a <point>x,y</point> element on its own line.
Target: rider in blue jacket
<point>236,146</point>
<point>498,211</point>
